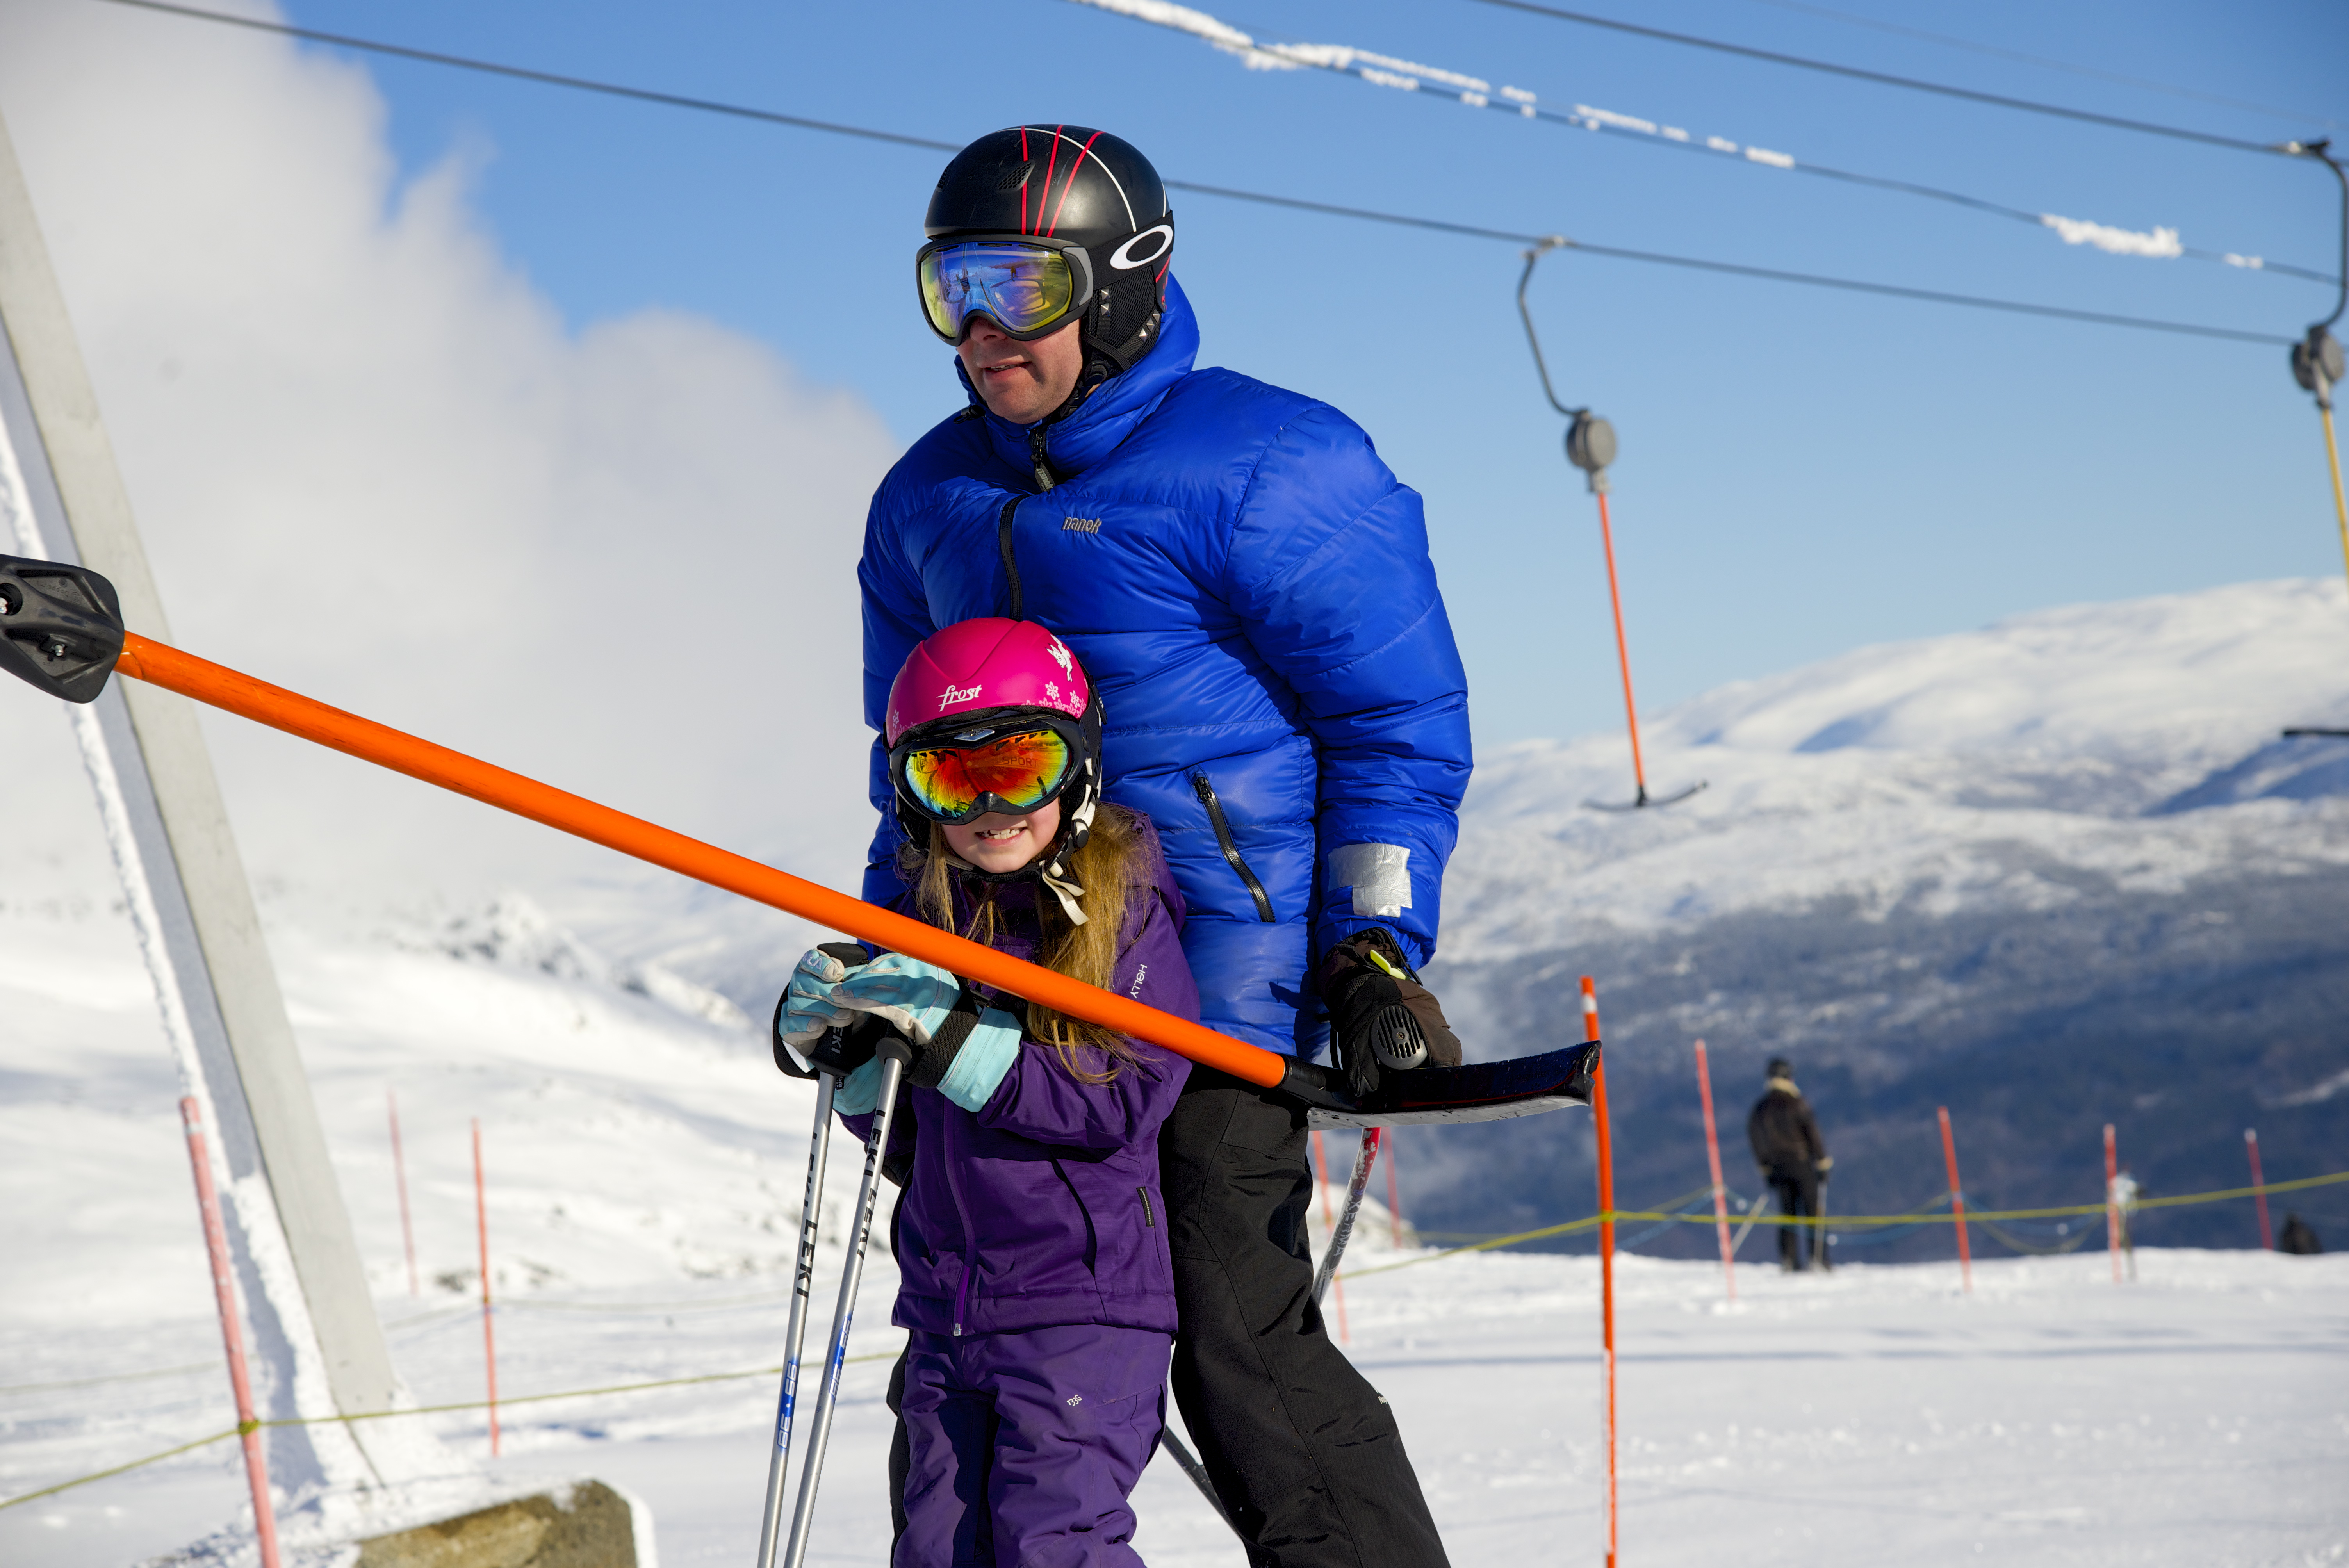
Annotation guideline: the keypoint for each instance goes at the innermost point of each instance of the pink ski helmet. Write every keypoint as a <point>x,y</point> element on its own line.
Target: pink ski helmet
<point>1012,698</point>
<point>976,666</point>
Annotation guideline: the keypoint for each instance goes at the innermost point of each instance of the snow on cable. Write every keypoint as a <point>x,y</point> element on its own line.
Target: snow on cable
<point>2119,242</point>
<point>1476,92</point>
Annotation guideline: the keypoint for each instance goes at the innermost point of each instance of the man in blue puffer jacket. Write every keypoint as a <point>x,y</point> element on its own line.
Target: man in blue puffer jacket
<point>1249,586</point>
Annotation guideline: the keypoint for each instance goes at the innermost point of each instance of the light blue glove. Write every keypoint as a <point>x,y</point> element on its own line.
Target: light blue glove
<point>913,996</point>
<point>809,1007</point>
<point>988,1055</point>
<point>860,1091</point>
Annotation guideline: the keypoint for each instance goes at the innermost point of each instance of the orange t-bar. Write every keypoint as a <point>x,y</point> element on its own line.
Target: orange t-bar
<point>221,687</point>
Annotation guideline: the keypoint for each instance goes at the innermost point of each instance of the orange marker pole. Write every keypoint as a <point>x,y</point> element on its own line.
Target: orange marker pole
<point>400,1178</point>
<point>2258,1188</point>
<point>1622,649</point>
<point>161,664</point>
<point>2112,1210</point>
<point>489,1339</point>
<point>256,1467</point>
<point>1713,1156</point>
<point>1606,1248</point>
<point>1329,1225</point>
<point>1957,1203</point>
<point>1394,1202</point>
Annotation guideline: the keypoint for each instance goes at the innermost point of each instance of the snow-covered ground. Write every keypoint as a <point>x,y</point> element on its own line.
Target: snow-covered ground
<point>644,1173</point>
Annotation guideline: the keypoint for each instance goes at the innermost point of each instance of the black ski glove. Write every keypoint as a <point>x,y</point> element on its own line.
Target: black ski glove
<point>1381,1019</point>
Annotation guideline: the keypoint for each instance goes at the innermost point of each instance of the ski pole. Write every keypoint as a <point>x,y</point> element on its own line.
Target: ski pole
<point>795,1334</point>
<point>1188,1463</point>
<point>892,1054</point>
<point>1343,1232</point>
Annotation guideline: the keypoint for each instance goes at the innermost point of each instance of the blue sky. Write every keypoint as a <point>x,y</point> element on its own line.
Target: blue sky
<point>1802,471</point>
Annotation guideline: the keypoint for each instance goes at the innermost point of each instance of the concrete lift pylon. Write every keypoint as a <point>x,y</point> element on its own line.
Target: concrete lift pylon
<point>318,1347</point>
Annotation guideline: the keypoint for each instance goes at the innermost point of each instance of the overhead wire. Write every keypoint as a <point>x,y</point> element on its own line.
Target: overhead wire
<point>1997,52</point>
<point>1297,203</point>
<point>1259,52</point>
<point>1885,78</point>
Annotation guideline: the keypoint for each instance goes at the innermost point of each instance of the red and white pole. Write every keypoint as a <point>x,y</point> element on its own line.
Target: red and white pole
<point>2258,1188</point>
<point>256,1467</point>
<point>1712,1157</point>
<point>489,1339</point>
<point>400,1178</point>
<point>2112,1209</point>
<point>1329,1225</point>
<point>1958,1204</point>
<point>1394,1202</point>
<point>1606,1252</point>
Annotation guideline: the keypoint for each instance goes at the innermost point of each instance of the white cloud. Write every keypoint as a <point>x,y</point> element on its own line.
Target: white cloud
<point>371,463</point>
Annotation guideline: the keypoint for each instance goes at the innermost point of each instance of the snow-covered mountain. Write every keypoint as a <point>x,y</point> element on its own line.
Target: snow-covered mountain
<point>2063,871</point>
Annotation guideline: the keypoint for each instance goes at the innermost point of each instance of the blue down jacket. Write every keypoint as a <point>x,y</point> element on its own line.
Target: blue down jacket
<point>1250,588</point>
<point>1043,1209</point>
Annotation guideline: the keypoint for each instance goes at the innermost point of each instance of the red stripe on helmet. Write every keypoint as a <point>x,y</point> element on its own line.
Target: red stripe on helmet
<point>1072,185</point>
<point>1051,161</point>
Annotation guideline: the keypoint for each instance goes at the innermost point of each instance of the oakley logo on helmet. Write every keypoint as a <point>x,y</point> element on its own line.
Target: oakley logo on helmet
<point>1125,260</point>
<point>949,696</point>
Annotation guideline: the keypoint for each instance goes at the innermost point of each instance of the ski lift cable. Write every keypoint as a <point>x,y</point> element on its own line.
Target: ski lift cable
<point>1295,203</point>
<point>1378,70</point>
<point>1885,78</point>
<point>1997,52</point>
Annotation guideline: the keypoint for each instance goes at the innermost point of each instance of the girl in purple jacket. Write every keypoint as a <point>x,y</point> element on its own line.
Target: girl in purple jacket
<point>1031,1237</point>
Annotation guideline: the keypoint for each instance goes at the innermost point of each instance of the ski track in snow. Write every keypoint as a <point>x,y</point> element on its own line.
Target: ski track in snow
<point>645,1167</point>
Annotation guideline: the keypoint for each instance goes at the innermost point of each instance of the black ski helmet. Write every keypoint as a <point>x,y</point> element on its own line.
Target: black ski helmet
<point>1076,185</point>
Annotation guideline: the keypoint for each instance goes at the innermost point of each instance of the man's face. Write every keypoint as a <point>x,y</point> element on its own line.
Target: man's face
<point>1022,382</point>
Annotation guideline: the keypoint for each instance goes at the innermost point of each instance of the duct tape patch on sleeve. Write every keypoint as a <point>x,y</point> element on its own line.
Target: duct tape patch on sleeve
<point>1379,875</point>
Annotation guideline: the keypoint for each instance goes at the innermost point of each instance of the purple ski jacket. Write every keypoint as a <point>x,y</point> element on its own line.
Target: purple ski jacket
<point>1043,1209</point>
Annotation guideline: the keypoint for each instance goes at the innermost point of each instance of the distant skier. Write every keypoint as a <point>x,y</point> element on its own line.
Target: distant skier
<point>1032,1240</point>
<point>2297,1236</point>
<point>1793,1160</point>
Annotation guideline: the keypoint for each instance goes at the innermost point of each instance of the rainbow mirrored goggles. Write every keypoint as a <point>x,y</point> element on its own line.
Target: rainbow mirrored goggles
<point>1028,286</point>
<point>960,775</point>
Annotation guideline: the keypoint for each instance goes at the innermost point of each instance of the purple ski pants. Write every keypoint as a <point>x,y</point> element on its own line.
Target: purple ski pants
<point>1023,1447</point>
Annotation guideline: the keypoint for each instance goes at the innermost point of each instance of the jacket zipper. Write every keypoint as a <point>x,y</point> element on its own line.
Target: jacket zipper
<point>1149,1220</point>
<point>1206,791</point>
<point>962,1212</point>
<point>1042,464</point>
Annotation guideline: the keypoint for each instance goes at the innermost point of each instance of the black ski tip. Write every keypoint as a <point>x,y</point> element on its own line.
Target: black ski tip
<point>60,627</point>
<point>1479,1091</point>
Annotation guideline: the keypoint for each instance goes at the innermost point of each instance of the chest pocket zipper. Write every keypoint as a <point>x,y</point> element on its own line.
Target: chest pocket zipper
<point>1207,792</point>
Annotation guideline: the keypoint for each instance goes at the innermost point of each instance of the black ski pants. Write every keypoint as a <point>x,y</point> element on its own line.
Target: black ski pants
<point>1797,1187</point>
<point>1304,1452</point>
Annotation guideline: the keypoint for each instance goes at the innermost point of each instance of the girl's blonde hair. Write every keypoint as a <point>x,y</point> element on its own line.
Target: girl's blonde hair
<point>1108,868</point>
